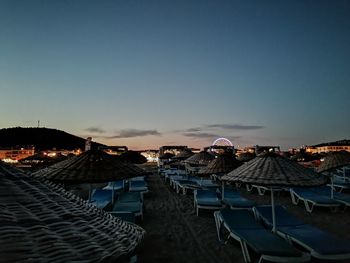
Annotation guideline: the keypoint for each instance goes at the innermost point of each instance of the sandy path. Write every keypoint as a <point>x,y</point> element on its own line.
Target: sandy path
<point>176,234</point>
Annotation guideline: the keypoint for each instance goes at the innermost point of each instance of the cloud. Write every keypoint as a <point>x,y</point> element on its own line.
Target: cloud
<point>200,135</point>
<point>235,126</point>
<point>130,133</point>
<point>95,130</point>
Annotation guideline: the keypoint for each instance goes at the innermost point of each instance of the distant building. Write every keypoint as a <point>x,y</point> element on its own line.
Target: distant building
<point>175,149</point>
<point>259,149</point>
<point>15,154</point>
<point>342,145</point>
<point>151,155</point>
<point>114,150</point>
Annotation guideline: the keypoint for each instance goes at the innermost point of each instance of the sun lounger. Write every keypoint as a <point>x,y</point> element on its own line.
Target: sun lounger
<point>241,226</point>
<point>138,186</point>
<point>312,199</point>
<point>206,199</point>
<point>129,202</point>
<point>261,189</point>
<point>126,197</point>
<point>134,207</point>
<point>235,200</point>
<point>339,185</point>
<point>207,184</point>
<point>124,215</point>
<point>101,198</point>
<point>321,245</point>
<point>116,185</point>
<point>186,184</point>
<point>174,178</point>
<point>338,197</point>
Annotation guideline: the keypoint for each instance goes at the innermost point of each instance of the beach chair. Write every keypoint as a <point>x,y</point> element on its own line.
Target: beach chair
<point>129,202</point>
<point>312,199</point>
<point>132,207</point>
<point>102,198</point>
<point>138,186</point>
<point>261,189</point>
<point>127,197</point>
<point>235,200</point>
<point>116,185</point>
<point>207,184</point>
<point>206,199</point>
<point>186,184</point>
<point>124,215</point>
<point>241,226</point>
<point>339,185</point>
<point>320,244</point>
<point>338,197</point>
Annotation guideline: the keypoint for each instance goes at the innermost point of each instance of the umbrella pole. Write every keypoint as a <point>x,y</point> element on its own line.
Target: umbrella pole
<point>332,183</point>
<point>112,193</point>
<point>273,211</point>
<point>223,189</point>
<point>90,192</point>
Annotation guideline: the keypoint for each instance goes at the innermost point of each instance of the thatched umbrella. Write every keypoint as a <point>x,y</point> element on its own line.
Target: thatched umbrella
<point>166,156</point>
<point>93,166</point>
<point>246,156</point>
<point>183,155</point>
<point>202,158</point>
<point>332,161</point>
<point>222,164</point>
<point>41,222</point>
<point>273,170</point>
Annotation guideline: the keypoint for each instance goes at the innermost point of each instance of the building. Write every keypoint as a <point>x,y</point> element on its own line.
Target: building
<point>342,145</point>
<point>15,154</point>
<point>114,150</point>
<point>151,155</point>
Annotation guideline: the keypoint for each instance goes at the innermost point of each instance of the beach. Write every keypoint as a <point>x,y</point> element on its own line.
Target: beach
<point>175,234</point>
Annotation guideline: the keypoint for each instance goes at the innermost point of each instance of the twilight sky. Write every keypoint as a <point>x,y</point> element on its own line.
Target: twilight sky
<point>152,73</point>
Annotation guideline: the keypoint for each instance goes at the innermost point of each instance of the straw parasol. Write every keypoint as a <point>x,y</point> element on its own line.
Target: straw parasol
<point>93,166</point>
<point>273,170</point>
<point>183,155</point>
<point>41,222</point>
<point>166,156</point>
<point>202,158</point>
<point>222,164</point>
<point>246,156</point>
<point>332,161</point>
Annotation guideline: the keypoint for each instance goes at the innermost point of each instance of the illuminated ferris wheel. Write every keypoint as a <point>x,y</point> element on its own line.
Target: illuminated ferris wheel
<point>222,142</point>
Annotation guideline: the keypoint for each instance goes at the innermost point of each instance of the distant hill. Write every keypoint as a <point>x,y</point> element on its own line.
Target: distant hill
<point>41,138</point>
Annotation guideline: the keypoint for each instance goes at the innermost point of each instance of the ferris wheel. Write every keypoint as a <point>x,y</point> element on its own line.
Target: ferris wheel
<point>222,142</point>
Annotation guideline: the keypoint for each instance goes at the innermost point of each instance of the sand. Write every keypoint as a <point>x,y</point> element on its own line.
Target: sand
<point>176,234</point>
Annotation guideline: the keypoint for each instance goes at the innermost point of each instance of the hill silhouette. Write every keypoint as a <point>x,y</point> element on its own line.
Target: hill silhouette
<point>41,138</point>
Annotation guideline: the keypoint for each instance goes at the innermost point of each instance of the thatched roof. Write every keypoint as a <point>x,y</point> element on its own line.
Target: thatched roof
<point>41,222</point>
<point>222,164</point>
<point>166,156</point>
<point>246,156</point>
<point>201,158</point>
<point>184,154</point>
<point>334,160</point>
<point>271,169</point>
<point>92,166</point>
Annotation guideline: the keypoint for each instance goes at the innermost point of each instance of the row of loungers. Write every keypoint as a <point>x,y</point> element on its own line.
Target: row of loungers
<point>215,200</point>
<point>253,231</point>
<point>319,196</point>
<point>127,201</point>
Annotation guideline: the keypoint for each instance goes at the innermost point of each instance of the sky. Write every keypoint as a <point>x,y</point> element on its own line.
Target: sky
<point>151,73</point>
